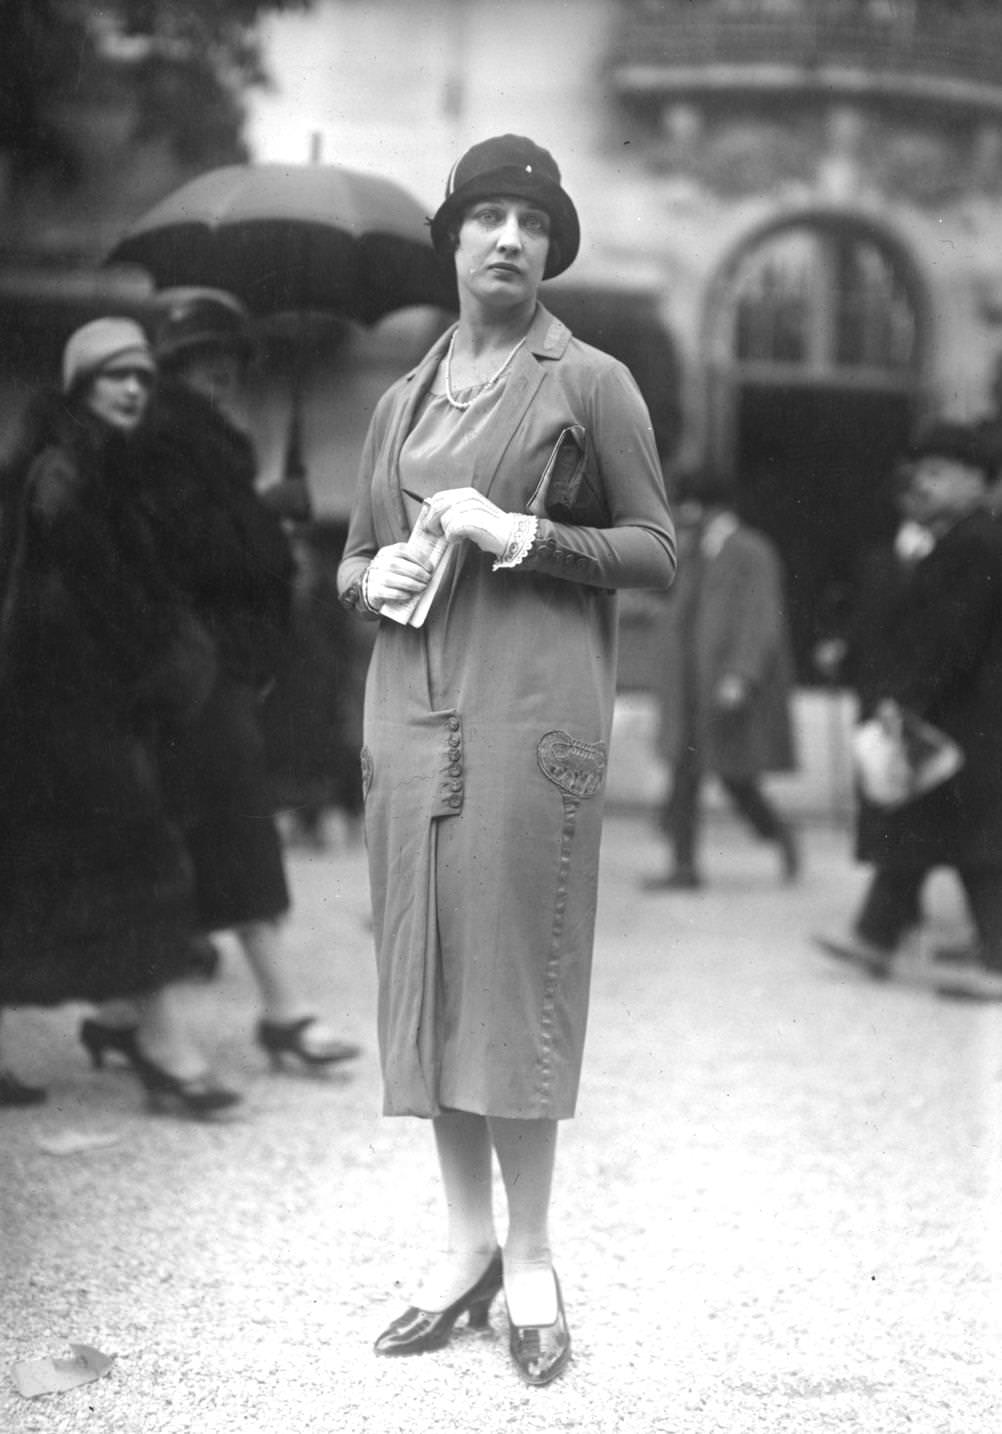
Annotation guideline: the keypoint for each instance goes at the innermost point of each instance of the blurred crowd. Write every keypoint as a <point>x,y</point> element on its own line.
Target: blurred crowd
<point>923,653</point>
<point>921,650</point>
<point>176,669</point>
<point>173,667</point>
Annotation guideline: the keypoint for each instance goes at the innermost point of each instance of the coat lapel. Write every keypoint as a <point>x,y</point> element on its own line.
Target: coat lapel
<point>547,338</point>
<point>418,382</point>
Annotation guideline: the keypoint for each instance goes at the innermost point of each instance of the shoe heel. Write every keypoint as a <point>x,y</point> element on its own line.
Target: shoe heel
<point>479,1314</point>
<point>198,1098</point>
<point>279,1039</point>
<point>98,1040</point>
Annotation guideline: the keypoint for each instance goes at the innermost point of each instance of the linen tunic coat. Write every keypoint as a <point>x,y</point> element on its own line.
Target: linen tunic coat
<point>486,736</point>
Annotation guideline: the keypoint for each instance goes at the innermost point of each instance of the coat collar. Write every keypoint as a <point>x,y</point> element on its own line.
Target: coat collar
<point>547,339</point>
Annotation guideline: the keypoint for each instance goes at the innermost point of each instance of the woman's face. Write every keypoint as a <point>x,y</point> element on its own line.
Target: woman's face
<point>119,394</point>
<point>502,249</point>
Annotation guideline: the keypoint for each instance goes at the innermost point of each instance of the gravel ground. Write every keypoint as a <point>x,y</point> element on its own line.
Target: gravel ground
<point>778,1209</point>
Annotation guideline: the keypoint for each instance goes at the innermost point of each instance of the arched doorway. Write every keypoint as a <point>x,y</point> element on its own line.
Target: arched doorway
<point>816,343</point>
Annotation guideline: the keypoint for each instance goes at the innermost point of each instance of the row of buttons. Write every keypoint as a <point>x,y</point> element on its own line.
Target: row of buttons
<point>452,790</point>
<point>548,548</point>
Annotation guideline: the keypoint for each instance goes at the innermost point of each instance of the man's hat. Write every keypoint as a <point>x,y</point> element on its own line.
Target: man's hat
<point>196,318</point>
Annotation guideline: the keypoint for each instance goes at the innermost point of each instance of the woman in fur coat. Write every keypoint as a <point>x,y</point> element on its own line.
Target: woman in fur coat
<point>96,656</point>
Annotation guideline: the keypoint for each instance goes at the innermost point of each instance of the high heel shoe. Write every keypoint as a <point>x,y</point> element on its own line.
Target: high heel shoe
<point>204,958</point>
<point>99,1039</point>
<point>541,1351</point>
<point>200,1097</point>
<point>14,1092</point>
<point>286,1038</point>
<point>417,1331</point>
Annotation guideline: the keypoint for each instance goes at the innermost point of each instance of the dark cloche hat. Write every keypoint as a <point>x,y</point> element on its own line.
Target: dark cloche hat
<point>510,164</point>
<point>195,318</point>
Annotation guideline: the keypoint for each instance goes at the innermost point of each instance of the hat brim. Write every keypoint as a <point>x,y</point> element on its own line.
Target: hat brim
<point>134,355</point>
<point>565,229</point>
<point>179,350</point>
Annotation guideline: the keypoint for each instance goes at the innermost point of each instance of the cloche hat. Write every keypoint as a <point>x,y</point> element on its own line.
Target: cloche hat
<point>101,342</point>
<point>199,318</point>
<point>510,164</point>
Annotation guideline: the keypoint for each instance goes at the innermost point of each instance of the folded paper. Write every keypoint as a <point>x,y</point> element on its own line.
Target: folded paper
<point>55,1374</point>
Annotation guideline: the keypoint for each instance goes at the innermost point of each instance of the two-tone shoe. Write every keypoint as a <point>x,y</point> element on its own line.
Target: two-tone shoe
<point>279,1039</point>
<point>967,981</point>
<point>417,1331</point>
<point>100,1040</point>
<point>14,1092</point>
<point>852,950</point>
<point>196,1098</point>
<point>541,1351</point>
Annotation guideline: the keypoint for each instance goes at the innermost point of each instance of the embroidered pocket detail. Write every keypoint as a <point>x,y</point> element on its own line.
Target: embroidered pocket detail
<point>577,768</point>
<point>366,759</point>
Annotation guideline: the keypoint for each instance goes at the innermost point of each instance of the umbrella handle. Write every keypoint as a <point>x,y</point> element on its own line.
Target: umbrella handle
<point>294,465</point>
<point>290,496</point>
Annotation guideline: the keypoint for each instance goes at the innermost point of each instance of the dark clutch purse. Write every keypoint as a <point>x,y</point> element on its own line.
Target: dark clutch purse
<point>567,491</point>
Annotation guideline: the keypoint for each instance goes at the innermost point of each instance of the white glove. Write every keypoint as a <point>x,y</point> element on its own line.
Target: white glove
<point>465,513</point>
<point>731,693</point>
<point>393,574</point>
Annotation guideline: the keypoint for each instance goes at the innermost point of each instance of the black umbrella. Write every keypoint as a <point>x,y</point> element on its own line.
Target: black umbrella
<point>313,238</point>
<point>292,238</point>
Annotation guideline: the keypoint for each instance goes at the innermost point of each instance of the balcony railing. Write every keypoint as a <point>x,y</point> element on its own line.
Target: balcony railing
<point>660,46</point>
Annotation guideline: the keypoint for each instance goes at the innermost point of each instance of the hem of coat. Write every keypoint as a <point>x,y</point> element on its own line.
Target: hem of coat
<point>481,1108</point>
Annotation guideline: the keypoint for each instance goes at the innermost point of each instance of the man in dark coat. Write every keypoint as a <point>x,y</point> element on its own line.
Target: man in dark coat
<point>945,666</point>
<point>726,676</point>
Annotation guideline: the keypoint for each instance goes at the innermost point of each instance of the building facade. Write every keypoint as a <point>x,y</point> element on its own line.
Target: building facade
<point>792,214</point>
<point>791,210</point>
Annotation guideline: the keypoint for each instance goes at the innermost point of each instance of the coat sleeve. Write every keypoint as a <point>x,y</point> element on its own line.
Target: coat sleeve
<point>755,627</point>
<point>94,578</point>
<point>637,549</point>
<point>361,543</point>
<point>944,635</point>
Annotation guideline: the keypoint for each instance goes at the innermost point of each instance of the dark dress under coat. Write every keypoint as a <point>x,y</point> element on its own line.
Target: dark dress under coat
<point>95,883</point>
<point>312,716</point>
<point>943,653</point>
<point>221,547</point>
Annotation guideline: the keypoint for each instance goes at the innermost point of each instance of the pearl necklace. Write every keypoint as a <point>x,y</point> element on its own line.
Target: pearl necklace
<point>450,396</point>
